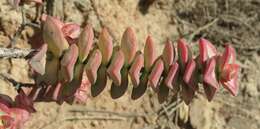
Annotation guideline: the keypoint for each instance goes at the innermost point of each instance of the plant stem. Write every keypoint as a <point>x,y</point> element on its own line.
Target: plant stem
<point>16,53</point>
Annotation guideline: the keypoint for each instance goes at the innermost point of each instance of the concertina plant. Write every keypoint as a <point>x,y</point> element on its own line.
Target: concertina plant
<point>69,64</point>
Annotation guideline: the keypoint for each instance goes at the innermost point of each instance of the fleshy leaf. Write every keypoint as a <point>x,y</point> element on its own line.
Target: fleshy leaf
<point>53,36</point>
<point>210,82</point>
<point>119,90</point>
<point>105,45</point>
<point>155,74</point>
<point>129,45</point>
<point>228,57</point>
<point>229,72</point>
<point>136,68</point>
<point>101,82</point>
<point>24,102</point>
<point>141,88</point>
<point>232,85</point>
<point>183,53</point>
<point>209,75</point>
<point>149,53</point>
<point>38,61</point>
<point>70,88</point>
<point>207,50</point>
<point>92,66</point>
<point>114,69</point>
<point>56,20</point>
<point>71,30</point>
<point>172,76</point>
<point>168,54</point>
<point>67,63</point>
<point>85,42</point>
<point>190,75</point>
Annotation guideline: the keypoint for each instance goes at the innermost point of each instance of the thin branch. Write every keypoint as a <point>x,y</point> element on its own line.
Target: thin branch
<point>16,84</point>
<point>128,115</point>
<point>16,53</point>
<point>197,31</point>
<point>94,118</point>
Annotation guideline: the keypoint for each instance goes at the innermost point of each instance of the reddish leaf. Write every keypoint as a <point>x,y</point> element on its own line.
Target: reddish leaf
<point>38,61</point>
<point>67,63</point>
<point>92,66</point>
<point>209,75</point>
<point>139,90</point>
<point>168,54</point>
<point>101,82</point>
<point>119,90</point>
<point>190,75</point>
<point>6,121</point>
<point>24,102</point>
<point>172,75</point>
<point>136,68</point>
<point>129,45</point>
<point>19,116</point>
<point>71,30</point>
<point>229,70</point>
<point>232,85</point>
<point>149,53</point>
<point>53,36</point>
<point>105,45</point>
<point>228,57</point>
<point>69,89</point>
<point>155,74</point>
<point>207,50</point>
<point>114,69</point>
<point>85,42</point>
<point>57,21</point>
<point>183,53</point>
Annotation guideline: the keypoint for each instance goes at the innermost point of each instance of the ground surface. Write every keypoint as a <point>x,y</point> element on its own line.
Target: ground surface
<point>234,21</point>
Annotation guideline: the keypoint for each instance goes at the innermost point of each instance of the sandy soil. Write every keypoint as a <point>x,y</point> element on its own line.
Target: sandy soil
<point>237,23</point>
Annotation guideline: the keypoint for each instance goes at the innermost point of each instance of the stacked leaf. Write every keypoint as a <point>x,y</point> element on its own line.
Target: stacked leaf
<point>71,64</point>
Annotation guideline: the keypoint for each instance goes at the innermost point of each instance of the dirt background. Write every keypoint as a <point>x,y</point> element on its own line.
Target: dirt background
<point>220,21</point>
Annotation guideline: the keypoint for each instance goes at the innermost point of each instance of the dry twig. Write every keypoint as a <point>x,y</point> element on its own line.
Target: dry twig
<point>197,31</point>
<point>16,53</point>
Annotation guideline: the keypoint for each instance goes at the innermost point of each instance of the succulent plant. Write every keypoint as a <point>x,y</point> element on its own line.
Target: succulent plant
<point>69,65</point>
<point>179,72</point>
